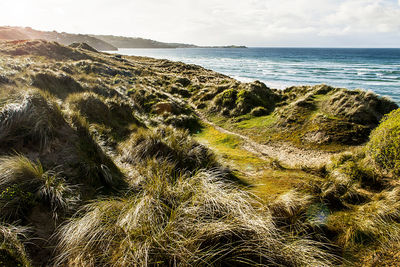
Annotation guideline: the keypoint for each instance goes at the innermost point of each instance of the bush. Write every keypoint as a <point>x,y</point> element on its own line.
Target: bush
<point>183,221</point>
<point>226,99</point>
<point>384,144</point>
<point>183,121</point>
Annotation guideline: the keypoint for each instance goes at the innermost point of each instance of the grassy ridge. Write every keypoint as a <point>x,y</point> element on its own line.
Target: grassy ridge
<point>106,161</point>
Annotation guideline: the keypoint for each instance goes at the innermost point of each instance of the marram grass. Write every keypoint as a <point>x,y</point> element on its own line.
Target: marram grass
<point>175,219</point>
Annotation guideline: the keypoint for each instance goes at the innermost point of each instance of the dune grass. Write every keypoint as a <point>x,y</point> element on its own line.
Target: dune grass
<point>24,183</point>
<point>96,167</point>
<point>384,146</point>
<point>196,220</point>
<point>167,143</point>
<point>12,250</point>
<point>33,118</point>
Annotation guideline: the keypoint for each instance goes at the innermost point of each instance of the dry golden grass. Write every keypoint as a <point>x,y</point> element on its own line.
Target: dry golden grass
<point>166,143</point>
<point>12,250</point>
<point>175,219</point>
<point>24,183</point>
<point>32,117</point>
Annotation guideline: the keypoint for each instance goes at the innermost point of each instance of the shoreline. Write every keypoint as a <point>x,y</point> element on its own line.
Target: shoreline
<point>283,73</point>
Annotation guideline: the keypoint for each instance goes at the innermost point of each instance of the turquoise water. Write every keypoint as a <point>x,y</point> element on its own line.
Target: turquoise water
<point>370,69</point>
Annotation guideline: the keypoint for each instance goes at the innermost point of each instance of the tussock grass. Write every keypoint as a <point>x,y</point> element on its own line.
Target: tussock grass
<point>111,117</point>
<point>166,143</point>
<point>350,180</point>
<point>58,84</point>
<point>366,203</point>
<point>290,206</point>
<point>12,250</point>
<point>23,183</point>
<point>90,105</point>
<point>384,146</point>
<point>33,118</point>
<point>179,220</point>
<point>97,168</point>
<point>183,121</point>
<point>374,222</point>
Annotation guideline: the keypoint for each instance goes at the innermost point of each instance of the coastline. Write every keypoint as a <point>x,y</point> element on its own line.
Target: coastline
<point>280,69</point>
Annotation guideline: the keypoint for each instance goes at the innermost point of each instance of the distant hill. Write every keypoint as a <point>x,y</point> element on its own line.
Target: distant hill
<point>99,42</point>
<point>131,42</point>
<point>21,33</point>
<point>135,42</point>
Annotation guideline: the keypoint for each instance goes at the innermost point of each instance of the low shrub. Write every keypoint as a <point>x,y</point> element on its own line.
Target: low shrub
<point>258,111</point>
<point>226,99</point>
<point>183,121</point>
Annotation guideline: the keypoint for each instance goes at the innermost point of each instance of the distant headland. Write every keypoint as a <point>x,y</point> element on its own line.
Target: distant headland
<point>99,42</point>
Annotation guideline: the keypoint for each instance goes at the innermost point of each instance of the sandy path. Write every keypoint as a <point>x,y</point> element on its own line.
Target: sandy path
<point>287,154</point>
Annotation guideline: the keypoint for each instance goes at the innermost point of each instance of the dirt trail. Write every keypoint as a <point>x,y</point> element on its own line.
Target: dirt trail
<point>287,154</point>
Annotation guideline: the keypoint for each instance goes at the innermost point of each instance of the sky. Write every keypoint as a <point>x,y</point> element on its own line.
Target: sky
<point>303,23</point>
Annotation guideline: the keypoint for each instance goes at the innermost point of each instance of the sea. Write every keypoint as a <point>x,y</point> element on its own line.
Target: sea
<point>376,69</point>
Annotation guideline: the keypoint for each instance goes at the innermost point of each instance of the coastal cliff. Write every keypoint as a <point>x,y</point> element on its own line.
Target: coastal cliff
<point>120,160</point>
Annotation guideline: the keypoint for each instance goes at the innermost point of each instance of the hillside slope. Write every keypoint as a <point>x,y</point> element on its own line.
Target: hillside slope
<point>108,160</point>
<point>131,42</point>
<point>20,33</point>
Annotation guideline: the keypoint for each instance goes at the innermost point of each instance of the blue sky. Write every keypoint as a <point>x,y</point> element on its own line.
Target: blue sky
<point>316,23</point>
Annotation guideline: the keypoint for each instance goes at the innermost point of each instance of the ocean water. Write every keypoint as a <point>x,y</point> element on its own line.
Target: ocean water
<point>370,69</point>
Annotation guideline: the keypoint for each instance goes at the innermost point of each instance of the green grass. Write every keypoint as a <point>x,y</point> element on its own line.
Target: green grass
<point>264,179</point>
<point>256,122</point>
<point>384,146</point>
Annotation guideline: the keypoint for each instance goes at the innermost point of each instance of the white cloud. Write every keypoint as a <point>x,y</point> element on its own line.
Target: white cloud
<point>249,22</point>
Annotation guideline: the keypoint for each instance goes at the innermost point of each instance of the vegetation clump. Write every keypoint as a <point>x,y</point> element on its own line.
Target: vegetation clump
<point>12,250</point>
<point>196,220</point>
<point>239,101</point>
<point>384,146</point>
<point>59,84</point>
<point>168,144</point>
<point>24,184</point>
<point>31,119</point>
